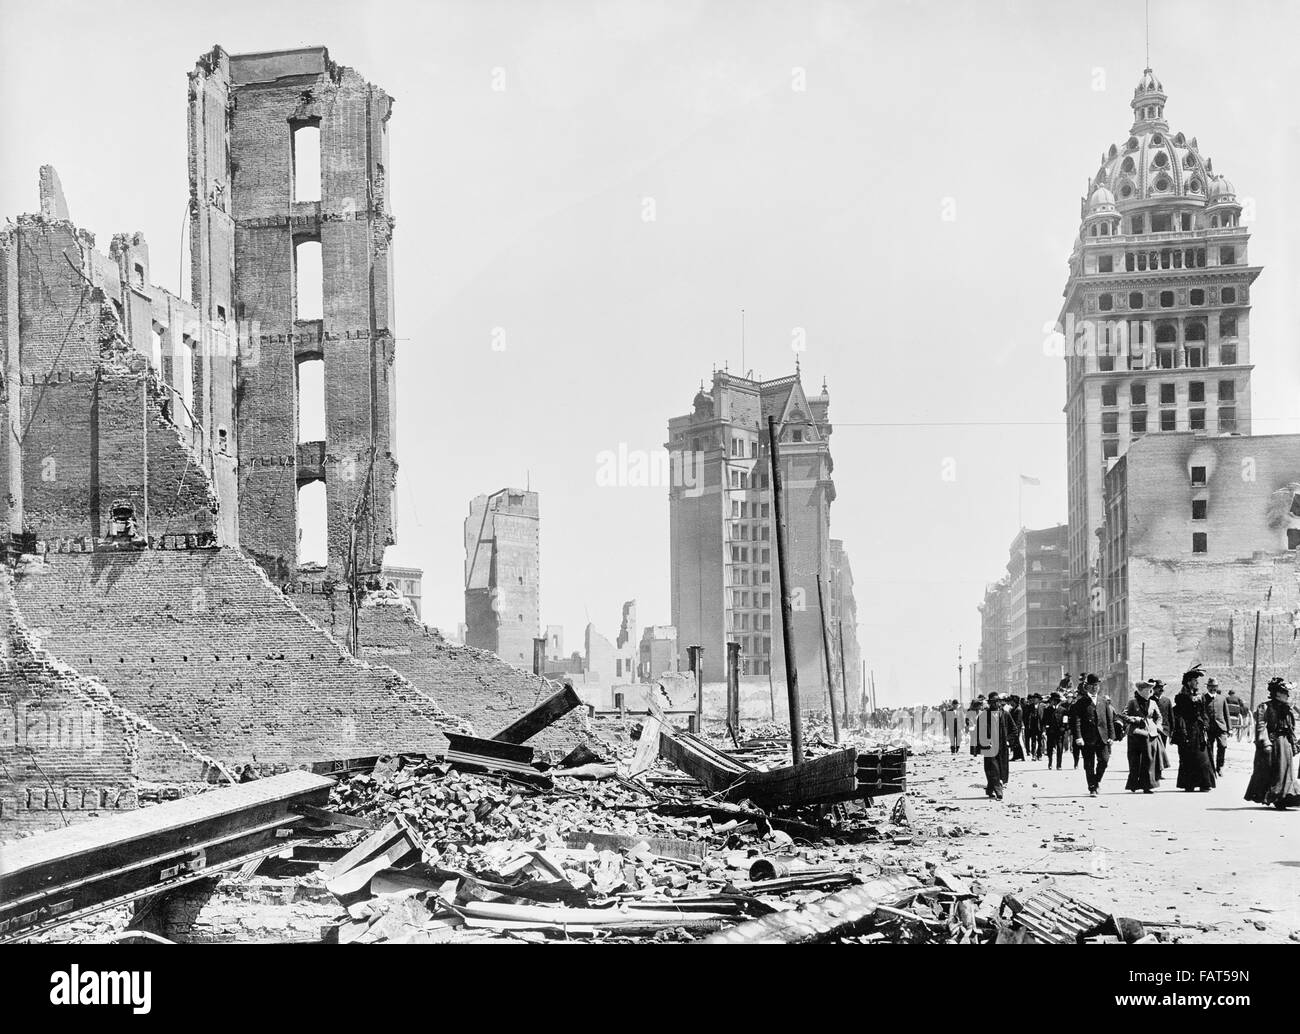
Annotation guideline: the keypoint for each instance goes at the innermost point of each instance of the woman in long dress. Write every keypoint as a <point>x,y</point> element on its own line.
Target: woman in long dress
<point>1273,780</point>
<point>1192,735</point>
<point>1142,717</point>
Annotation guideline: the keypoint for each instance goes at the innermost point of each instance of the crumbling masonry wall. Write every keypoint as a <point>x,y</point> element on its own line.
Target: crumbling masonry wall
<point>488,693</point>
<point>244,111</point>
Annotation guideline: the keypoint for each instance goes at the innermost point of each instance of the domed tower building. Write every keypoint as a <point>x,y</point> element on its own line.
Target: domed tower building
<point>1156,324</point>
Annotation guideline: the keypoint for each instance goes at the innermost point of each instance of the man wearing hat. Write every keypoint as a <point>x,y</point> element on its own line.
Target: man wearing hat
<point>1273,780</point>
<point>1216,705</point>
<point>1093,724</point>
<point>1056,723</point>
<point>992,736</point>
<point>1192,735</point>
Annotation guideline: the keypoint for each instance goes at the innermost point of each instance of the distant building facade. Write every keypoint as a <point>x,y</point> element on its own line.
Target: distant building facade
<point>503,574</point>
<point>992,671</point>
<point>1156,324</point>
<point>1035,610</point>
<point>722,530</point>
<point>405,580</point>
<point>844,620</point>
<point>658,652</point>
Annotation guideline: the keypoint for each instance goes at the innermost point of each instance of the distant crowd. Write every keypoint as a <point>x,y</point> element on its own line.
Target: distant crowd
<point>1197,720</point>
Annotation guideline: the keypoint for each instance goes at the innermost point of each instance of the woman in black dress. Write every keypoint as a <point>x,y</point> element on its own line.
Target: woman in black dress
<point>1142,717</point>
<point>1273,780</point>
<point>1192,735</point>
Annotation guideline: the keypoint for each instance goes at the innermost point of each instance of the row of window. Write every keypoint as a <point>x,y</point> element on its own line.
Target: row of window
<point>740,555</point>
<point>741,532</point>
<point>1168,393</point>
<point>743,508</point>
<point>1227,423</point>
<point>1137,299</point>
<point>760,599</point>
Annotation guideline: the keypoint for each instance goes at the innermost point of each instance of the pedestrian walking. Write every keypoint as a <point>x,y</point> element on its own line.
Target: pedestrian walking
<point>1057,719</point>
<point>1093,724</point>
<point>1216,705</point>
<point>1191,735</point>
<point>1016,714</point>
<point>1273,780</point>
<point>1142,718</point>
<point>993,740</point>
<point>1166,720</point>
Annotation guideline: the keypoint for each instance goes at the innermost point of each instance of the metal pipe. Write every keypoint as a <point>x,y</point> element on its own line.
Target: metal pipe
<point>787,617</point>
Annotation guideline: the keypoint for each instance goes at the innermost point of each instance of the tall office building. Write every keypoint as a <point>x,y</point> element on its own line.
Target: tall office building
<point>1156,325</point>
<point>503,575</point>
<point>723,539</point>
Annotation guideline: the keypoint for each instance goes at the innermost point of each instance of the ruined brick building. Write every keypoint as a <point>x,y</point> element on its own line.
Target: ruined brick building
<point>160,628</point>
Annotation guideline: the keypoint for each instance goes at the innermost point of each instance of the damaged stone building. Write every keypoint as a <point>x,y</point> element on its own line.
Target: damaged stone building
<point>162,630</point>
<point>722,538</point>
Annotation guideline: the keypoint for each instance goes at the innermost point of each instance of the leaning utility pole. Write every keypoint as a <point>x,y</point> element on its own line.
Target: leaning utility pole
<point>787,618</point>
<point>826,647</point>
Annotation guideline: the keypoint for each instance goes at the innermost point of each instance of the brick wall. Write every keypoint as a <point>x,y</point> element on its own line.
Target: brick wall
<point>488,693</point>
<point>84,449</point>
<point>68,750</point>
<point>200,644</point>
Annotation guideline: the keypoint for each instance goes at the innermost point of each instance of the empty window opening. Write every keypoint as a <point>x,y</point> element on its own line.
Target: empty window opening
<point>1109,394</point>
<point>1105,302</point>
<point>1293,538</point>
<point>1135,300</point>
<point>1138,394</point>
<point>1227,391</point>
<point>310,279</point>
<point>1199,509</point>
<point>313,539</point>
<point>1228,355</point>
<point>1229,296</point>
<point>1198,475</point>
<point>306,161</point>
<point>311,400</point>
<point>1227,418</point>
<point>183,379</point>
<point>1138,421</point>
<point>1227,256</point>
<point>1105,264</point>
<point>156,347</point>
<point>139,275</point>
<point>1196,391</point>
<point>1166,299</point>
<point>1169,420</point>
<point>1199,543</point>
<point>1196,419</point>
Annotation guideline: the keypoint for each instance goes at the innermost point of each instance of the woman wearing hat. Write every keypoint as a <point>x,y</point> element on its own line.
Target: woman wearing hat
<point>1142,717</point>
<point>1273,781</point>
<point>1192,735</point>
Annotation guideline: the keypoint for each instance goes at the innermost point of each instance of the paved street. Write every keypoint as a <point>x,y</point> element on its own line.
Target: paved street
<point>1195,858</point>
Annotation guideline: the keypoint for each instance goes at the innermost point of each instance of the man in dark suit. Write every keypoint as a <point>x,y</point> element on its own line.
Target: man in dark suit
<point>1093,723</point>
<point>1220,721</point>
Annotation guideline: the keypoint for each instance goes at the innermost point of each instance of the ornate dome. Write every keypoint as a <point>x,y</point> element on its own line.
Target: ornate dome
<point>1153,164</point>
<point>1221,189</point>
<point>1100,200</point>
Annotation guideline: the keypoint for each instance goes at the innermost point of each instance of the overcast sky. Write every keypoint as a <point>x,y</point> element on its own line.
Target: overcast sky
<point>901,181</point>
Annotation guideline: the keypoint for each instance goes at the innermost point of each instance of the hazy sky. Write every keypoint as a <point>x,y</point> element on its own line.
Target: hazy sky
<point>799,161</point>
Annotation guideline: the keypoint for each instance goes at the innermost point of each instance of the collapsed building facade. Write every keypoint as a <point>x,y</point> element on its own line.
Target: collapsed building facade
<point>160,630</point>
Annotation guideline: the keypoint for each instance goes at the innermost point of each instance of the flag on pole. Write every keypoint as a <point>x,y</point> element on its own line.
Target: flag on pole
<point>1025,479</point>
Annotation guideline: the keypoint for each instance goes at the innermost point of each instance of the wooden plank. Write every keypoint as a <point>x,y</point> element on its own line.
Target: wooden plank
<point>499,749</point>
<point>377,843</point>
<point>831,917</point>
<point>544,714</point>
<point>664,847</point>
<point>647,747</point>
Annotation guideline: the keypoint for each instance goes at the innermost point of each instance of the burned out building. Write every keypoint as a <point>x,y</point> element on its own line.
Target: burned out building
<point>503,574</point>
<point>160,633</point>
<point>722,538</point>
<point>1035,610</point>
<point>1201,535</point>
<point>993,670</point>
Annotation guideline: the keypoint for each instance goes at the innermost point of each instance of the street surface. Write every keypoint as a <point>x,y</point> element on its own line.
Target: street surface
<point>1210,859</point>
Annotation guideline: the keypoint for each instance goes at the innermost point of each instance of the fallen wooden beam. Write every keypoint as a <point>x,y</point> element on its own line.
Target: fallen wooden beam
<point>69,873</point>
<point>833,916</point>
<point>698,759</point>
<point>502,750</point>
<point>547,712</point>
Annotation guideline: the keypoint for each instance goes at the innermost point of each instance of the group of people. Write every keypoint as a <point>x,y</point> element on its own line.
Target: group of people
<point>1197,721</point>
